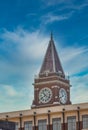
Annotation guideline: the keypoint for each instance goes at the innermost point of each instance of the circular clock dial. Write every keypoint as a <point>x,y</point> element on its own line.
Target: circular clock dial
<point>63,96</point>
<point>45,95</point>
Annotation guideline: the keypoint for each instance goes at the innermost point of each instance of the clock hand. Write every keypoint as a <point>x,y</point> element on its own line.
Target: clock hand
<point>45,94</point>
<point>61,96</point>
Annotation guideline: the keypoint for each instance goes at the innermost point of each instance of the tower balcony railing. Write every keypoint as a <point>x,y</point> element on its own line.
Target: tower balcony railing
<point>51,76</point>
<point>46,74</point>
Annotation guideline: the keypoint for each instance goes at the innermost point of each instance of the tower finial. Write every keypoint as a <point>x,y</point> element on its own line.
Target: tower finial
<point>51,36</point>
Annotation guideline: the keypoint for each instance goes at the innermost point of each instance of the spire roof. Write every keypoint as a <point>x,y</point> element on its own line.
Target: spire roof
<point>51,63</point>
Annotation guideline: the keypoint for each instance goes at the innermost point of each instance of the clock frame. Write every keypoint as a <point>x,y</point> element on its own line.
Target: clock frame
<point>62,96</point>
<point>45,95</point>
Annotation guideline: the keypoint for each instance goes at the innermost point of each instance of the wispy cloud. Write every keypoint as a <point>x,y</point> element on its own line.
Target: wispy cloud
<point>61,7</point>
<point>75,64</point>
<point>25,43</point>
<point>50,18</point>
<point>83,38</point>
<point>73,4</point>
<point>79,7</point>
<point>31,14</point>
<point>79,90</point>
<point>21,54</point>
<point>9,91</point>
<point>75,58</point>
<point>11,98</point>
<point>54,2</point>
<point>75,7</point>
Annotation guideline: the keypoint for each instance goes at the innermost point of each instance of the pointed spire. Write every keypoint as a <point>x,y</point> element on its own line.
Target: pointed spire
<point>51,63</point>
<point>51,36</point>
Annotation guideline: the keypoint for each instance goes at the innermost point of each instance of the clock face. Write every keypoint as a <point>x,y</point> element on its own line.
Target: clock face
<point>45,95</point>
<point>63,96</point>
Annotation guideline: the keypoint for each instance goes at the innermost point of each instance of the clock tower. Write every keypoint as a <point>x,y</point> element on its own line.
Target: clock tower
<point>51,87</point>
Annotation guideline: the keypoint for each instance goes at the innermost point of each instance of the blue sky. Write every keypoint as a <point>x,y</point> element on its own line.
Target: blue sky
<point>25,28</point>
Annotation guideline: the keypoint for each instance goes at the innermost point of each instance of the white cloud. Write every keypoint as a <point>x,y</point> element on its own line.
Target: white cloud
<point>75,63</point>
<point>23,52</point>
<point>67,4</point>
<point>79,91</point>
<point>26,42</point>
<point>54,2</point>
<point>79,7</point>
<point>22,49</point>
<point>74,59</point>
<point>61,7</point>
<point>50,18</point>
<point>20,55</point>
<point>14,98</point>
<point>53,18</point>
<point>8,90</point>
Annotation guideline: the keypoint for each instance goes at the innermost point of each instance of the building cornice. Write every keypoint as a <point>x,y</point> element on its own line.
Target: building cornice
<point>43,111</point>
<point>54,81</point>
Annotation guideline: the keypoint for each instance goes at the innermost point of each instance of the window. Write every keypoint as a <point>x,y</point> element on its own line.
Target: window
<point>42,125</point>
<point>85,121</point>
<point>71,123</point>
<point>56,124</point>
<point>16,126</point>
<point>28,125</point>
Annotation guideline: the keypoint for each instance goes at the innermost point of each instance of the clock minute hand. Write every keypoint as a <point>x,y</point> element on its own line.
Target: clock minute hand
<point>44,94</point>
<point>61,96</point>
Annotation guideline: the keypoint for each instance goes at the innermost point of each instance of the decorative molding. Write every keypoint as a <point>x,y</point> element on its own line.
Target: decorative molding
<point>58,87</point>
<point>56,102</point>
<point>54,81</point>
<point>53,77</point>
<point>56,96</point>
<point>33,105</point>
<point>55,86</point>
